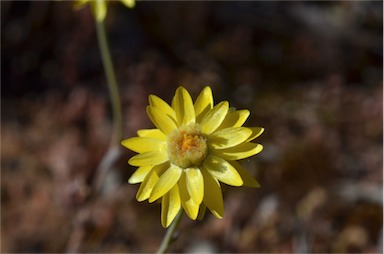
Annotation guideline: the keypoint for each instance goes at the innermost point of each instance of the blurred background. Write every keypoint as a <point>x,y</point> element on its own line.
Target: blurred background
<point>311,73</point>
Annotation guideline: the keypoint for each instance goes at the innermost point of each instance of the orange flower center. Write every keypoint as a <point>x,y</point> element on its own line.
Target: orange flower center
<point>187,146</point>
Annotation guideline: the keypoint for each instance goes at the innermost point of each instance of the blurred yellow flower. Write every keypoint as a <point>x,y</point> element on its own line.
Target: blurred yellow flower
<point>193,149</point>
<point>99,7</point>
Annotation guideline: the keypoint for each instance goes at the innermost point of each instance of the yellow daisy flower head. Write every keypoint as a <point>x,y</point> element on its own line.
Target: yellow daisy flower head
<point>192,151</point>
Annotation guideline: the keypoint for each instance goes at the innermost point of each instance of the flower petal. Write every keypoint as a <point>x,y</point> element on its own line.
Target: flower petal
<point>213,197</point>
<point>139,175</point>
<point>247,178</point>
<point>228,137</point>
<point>222,171</point>
<point>170,206</point>
<point>203,104</point>
<point>214,117</point>
<point>128,3</point>
<point>147,185</point>
<point>161,120</point>
<point>183,106</point>
<point>152,133</point>
<point>149,181</point>
<point>190,207</point>
<point>195,184</point>
<point>244,150</point>
<point>166,182</point>
<point>234,119</point>
<point>148,158</point>
<point>142,145</point>
<point>256,131</point>
<point>164,107</point>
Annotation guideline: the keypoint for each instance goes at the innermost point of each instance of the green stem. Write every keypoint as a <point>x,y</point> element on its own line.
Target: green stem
<point>169,236</point>
<point>111,80</point>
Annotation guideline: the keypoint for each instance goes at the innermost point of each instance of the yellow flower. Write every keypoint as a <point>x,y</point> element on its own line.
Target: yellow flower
<point>99,7</point>
<point>193,149</point>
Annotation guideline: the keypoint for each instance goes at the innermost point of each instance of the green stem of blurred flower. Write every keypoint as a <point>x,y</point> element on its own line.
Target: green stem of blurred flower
<point>111,80</point>
<point>170,235</point>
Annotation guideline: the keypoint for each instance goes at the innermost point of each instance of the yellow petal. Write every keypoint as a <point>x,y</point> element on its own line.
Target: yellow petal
<point>190,207</point>
<point>152,133</point>
<point>244,150</point>
<point>147,185</point>
<point>170,206</point>
<point>128,3</point>
<point>222,170</point>
<point>248,179</point>
<point>214,117</point>
<point>164,211</point>
<point>256,131</point>
<point>183,106</point>
<point>161,120</point>
<point>164,107</point>
<point>195,184</point>
<point>234,119</point>
<point>139,175</point>
<point>148,159</point>
<point>142,145</point>
<point>203,104</point>
<point>213,197</point>
<point>166,182</point>
<point>228,137</point>
<point>143,172</point>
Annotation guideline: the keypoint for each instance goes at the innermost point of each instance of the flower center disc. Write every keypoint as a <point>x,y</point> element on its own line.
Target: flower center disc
<point>187,146</point>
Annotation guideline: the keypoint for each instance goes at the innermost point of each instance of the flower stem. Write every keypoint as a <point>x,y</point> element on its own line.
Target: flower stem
<point>111,80</point>
<point>169,236</point>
